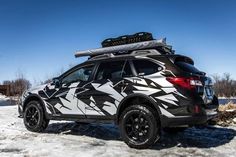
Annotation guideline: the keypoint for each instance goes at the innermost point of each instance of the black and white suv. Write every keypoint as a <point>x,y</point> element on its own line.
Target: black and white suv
<point>134,81</point>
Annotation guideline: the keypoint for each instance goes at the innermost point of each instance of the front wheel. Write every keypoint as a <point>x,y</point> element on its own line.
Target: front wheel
<point>34,117</point>
<point>139,126</point>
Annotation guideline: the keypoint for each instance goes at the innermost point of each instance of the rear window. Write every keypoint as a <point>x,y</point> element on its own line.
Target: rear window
<point>187,67</point>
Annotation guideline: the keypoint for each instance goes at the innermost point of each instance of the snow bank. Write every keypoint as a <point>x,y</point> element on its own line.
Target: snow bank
<point>7,101</point>
<point>3,97</point>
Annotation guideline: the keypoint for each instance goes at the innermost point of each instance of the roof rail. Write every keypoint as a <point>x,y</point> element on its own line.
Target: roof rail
<point>102,56</point>
<point>145,52</point>
<point>123,48</point>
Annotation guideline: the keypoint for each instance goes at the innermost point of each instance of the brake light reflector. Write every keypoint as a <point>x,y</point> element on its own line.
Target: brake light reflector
<point>185,82</point>
<point>196,109</point>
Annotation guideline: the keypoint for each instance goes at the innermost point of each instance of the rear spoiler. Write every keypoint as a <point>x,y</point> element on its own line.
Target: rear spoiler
<point>184,59</point>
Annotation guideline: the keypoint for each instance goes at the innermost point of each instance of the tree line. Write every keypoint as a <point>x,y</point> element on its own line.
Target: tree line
<point>225,85</point>
<point>18,85</point>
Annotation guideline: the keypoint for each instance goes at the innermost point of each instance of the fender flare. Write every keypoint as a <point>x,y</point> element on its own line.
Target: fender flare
<point>36,97</point>
<point>146,97</point>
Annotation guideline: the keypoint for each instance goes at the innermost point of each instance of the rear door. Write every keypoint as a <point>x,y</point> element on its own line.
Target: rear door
<point>109,85</point>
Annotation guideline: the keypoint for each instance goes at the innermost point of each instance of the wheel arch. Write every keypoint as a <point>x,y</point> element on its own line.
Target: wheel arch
<point>35,97</point>
<point>139,98</point>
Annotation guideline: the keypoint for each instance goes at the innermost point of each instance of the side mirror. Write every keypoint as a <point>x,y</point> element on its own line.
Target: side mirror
<point>56,82</point>
<point>141,74</point>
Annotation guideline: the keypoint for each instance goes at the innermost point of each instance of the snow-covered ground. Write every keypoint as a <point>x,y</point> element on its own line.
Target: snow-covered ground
<point>70,139</point>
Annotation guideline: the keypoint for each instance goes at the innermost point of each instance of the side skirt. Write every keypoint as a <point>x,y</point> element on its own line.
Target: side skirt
<point>81,118</point>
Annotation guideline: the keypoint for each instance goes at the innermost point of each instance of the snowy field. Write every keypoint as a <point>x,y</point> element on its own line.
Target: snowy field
<point>65,139</point>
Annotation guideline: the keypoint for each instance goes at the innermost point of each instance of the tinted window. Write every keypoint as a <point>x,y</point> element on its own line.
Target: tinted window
<point>187,67</point>
<point>113,70</point>
<point>145,67</point>
<point>82,74</point>
<point>127,72</point>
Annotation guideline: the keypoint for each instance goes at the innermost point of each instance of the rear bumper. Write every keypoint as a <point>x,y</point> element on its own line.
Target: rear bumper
<point>208,112</point>
<point>190,120</point>
<point>183,121</point>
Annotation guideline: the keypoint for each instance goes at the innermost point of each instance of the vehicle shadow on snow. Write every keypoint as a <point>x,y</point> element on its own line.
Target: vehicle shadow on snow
<point>200,137</point>
<point>100,131</point>
<point>204,137</point>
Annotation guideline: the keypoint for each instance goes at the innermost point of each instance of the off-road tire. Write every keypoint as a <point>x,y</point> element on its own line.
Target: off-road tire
<point>41,123</point>
<point>150,130</point>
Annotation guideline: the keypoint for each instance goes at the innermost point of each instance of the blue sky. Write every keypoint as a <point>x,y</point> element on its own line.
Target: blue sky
<point>40,37</point>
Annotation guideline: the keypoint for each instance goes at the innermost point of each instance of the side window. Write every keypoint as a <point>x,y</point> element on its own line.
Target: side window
<point>110,70</point>
<point>127,72</point>
<point>145,67</point>
<point>81,74</point>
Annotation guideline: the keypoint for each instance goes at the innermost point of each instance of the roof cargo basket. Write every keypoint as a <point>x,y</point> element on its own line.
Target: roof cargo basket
<point>127,39</point>
<point>128,43</point>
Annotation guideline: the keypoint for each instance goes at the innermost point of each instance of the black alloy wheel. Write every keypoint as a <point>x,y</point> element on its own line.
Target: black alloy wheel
<point>139,126</point>
<point>34,117</point>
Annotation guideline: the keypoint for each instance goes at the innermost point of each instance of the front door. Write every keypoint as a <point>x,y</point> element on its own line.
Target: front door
<point>66,100</point>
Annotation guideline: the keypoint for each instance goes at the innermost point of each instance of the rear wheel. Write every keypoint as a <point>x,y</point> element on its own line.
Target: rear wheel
<point>139,126</point>
<point>34,117</point>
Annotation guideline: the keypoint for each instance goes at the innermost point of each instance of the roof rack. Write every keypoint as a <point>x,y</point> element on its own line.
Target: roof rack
<point>127,39</point>
<point>125,48</point>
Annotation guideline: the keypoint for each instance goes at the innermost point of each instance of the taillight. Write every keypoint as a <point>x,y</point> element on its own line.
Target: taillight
<point>185,82</point>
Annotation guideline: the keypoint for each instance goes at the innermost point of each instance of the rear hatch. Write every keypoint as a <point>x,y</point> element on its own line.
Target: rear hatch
<point>204,85</point>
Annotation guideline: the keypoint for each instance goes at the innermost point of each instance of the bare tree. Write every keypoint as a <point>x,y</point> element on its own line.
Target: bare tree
<point>224,85</point>
<point>6,82</point>
<point>216,86</point>
<point>19,85</point>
